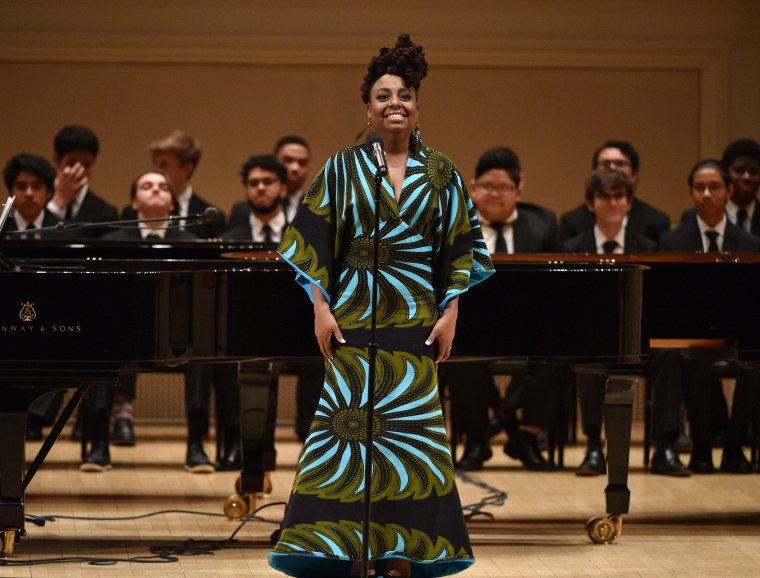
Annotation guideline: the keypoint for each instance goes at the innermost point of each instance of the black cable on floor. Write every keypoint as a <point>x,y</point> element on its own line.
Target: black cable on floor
<point>161,554</point>
<point>496,497</point>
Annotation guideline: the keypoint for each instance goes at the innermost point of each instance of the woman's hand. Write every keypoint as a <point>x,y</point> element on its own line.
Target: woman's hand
<point>325,325</point>
<point>444,329</point>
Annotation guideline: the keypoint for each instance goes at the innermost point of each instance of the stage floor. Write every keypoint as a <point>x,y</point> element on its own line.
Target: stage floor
<point>699,526</point>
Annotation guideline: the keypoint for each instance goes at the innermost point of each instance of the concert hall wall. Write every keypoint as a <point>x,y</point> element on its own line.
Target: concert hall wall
<point>550,78</point>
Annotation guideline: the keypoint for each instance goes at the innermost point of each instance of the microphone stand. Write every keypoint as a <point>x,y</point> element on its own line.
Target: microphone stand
<point>372,350</point>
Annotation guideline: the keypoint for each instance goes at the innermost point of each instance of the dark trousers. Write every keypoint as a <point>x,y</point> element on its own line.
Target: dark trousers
<point>698,400</point>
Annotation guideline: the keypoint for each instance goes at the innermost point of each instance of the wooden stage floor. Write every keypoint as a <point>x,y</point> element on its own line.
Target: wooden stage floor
<point>698,526</point>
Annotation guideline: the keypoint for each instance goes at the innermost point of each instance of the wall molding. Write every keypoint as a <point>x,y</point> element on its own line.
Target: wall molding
<point>709,59</point>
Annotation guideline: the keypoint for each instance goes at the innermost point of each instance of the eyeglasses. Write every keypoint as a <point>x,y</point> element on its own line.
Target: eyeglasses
<point>254,183</point>
<point>614,164</point>
<point>490,189</point>
<point>607,198</point>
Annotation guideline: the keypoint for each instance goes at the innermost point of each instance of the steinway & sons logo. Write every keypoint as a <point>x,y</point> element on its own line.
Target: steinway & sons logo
<point>28,315</point>
<point>27,312</point>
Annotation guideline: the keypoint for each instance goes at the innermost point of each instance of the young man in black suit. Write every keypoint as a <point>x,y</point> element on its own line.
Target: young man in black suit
<point>742,160</point>
<point>31,179</point>
<point>76,150</point>
<point>609,195</point>
<point>642,218</point>
<point>508,226</point>
<point>178,154</point>
<point>152,195</point>
<point>707,230</point>
<point>265,185</point>
<point>293,153</point>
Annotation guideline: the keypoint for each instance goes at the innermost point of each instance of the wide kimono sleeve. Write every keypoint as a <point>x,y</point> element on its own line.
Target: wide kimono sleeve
<point>309,243</point>
<point>463,258</point>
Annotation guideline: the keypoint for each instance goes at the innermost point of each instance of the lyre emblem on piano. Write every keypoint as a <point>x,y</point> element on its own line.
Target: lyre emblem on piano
<point>27,312</point>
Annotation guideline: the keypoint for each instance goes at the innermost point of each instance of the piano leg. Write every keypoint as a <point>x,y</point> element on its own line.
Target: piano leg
<point>618,418</point>
<point>13,434</point>
<point>258,417</point>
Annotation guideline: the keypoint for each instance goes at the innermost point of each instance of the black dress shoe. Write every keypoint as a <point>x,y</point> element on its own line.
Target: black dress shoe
<point>666,461</point>
<point>231,460</point>
<point>123,432</point>
<point>523,446</point>
<point>474,456</point>
<point>734,462</point>
<point>98,460</point>
<point>701,462</point>
<point>197,461</point>
<point>593,463</point>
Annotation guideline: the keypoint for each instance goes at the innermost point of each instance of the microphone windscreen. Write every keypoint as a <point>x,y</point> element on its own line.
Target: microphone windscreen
<point>210,214</point>
<point>374,138</point>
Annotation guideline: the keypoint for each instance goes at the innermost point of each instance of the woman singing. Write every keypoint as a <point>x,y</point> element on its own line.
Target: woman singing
<point>431,250</point>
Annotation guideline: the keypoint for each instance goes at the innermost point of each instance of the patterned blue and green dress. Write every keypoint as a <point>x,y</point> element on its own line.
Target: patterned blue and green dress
<point>431,249</point>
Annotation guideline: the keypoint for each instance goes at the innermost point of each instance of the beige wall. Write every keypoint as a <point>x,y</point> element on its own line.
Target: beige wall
<point>550,78</point>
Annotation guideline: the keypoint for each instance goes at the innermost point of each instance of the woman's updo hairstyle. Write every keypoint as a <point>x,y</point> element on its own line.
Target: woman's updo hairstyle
<point>406,60</point>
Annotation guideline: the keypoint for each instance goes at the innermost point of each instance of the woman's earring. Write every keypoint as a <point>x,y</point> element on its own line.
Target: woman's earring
<point>416,136</point>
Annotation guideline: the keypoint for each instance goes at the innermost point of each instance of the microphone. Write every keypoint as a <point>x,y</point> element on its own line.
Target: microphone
<point>375,143</point>
<point>209,214</point>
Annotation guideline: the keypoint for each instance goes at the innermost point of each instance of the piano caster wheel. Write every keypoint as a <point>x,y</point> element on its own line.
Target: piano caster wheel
<point>604,530</point>
<point>238,507</point>
<point>264,493</point>
<point>7,542</point>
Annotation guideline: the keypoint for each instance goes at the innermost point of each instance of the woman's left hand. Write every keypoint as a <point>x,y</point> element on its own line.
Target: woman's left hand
<point>444,330</point>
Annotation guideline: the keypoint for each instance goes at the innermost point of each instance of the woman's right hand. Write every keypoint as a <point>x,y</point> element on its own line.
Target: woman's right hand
<point>325,325</point>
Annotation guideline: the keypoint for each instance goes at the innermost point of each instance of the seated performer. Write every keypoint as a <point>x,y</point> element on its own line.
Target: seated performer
<point>642,218</point>
<point>432,252</point>
<point>31,180</point>
<point>264,182</point>
<point>609,195</point>
<point>708,230</point>
<point>507,228</point>
<point>152,198</point>
<point>294,154</point>
<point>76,150</point>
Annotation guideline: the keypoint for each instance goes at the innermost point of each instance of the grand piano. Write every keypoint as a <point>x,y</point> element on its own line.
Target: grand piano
<point>74,314</point>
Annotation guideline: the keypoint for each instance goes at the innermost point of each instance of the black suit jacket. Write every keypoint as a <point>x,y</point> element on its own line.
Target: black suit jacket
<point>686,237</point>
<point>133,234</point>
<point>642,219</point>
<point>533,234</point>
<point>586,243</point>
<point>239,214</point>
<point>242,232</point>
<point>94,210</point>
<point>49,220</point>
<point>754,227</point>
<point>196,206</point>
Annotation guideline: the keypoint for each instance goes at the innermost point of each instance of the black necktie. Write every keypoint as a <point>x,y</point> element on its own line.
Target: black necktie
<point>31,226</point>
<point>712,236</point>
<point>69,216</point>
<point>609,247</point>
<point>267,233</point>
<point>741,216</point>
<point>501,242</point>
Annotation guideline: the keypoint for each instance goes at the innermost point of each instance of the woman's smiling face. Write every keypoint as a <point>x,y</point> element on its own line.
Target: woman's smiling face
<point>392,107</point>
